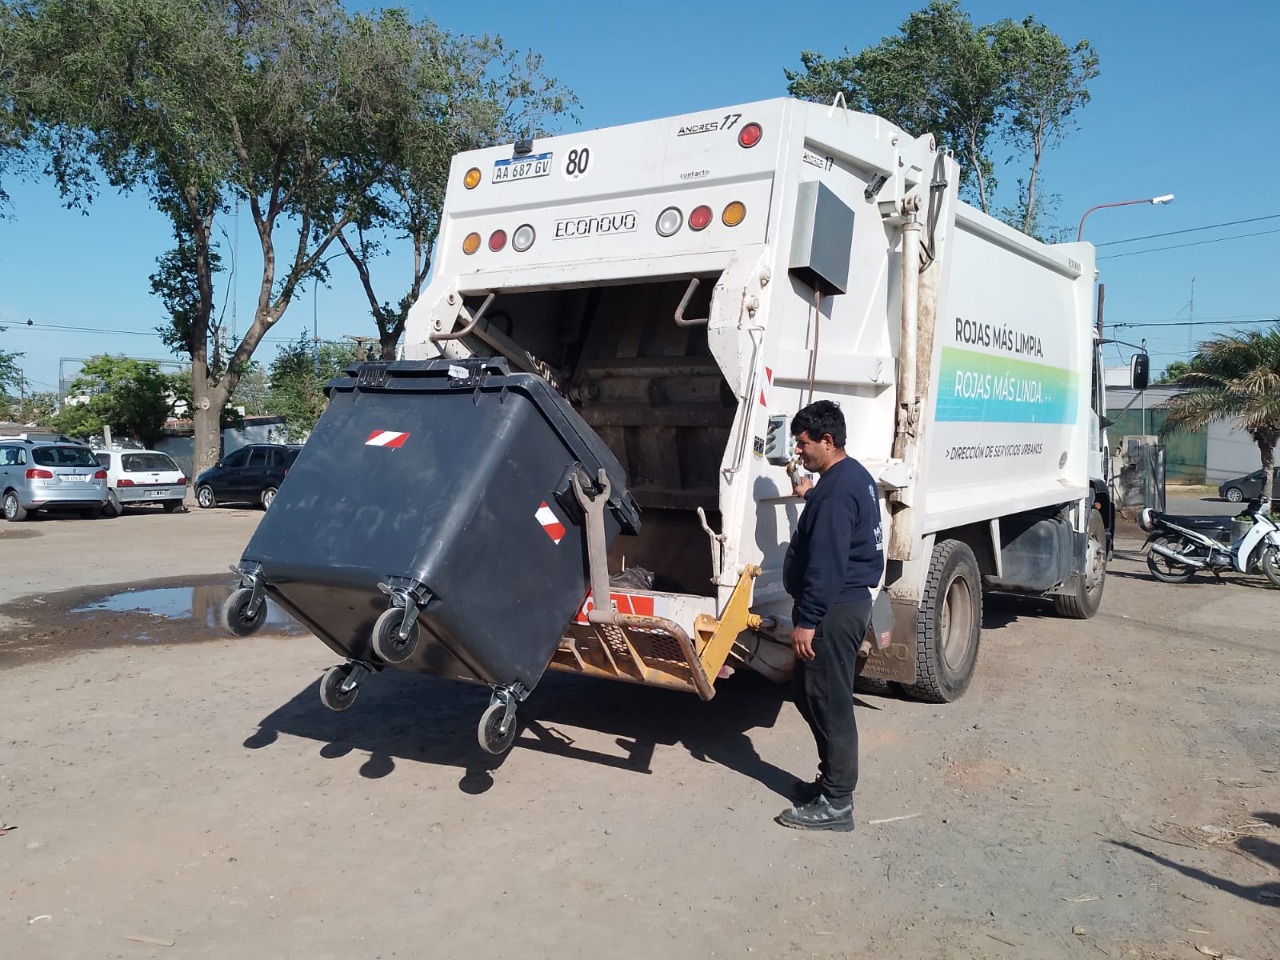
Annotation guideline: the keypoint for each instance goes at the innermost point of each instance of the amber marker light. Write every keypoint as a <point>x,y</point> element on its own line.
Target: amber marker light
<point>471,244</point>
<point>733,214</point>
<point>472,179</point>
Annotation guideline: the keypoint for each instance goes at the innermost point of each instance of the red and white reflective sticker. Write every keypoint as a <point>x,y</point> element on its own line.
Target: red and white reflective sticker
<point>768,382</point>
<point>551,524</point>
<point>386,438</point>
<point>625,602</point>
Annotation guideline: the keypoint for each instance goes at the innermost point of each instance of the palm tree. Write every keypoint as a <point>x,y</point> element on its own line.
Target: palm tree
<point>1234,377</point>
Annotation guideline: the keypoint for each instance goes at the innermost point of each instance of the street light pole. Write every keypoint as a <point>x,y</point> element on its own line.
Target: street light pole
<point>1166,198</point>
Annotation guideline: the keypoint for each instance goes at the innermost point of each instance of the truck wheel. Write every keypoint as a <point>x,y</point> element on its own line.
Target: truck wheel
<point>1084,603</point>
<point>948,625</point>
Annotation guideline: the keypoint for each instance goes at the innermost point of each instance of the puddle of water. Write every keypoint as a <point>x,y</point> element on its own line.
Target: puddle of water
<point>199,605</point>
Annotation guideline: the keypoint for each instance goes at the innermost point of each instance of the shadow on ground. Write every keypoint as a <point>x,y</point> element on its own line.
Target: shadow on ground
<point>425,719</point>
<point>1266,894</point>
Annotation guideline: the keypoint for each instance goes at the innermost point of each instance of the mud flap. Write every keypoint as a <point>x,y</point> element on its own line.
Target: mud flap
<point>890,643</point>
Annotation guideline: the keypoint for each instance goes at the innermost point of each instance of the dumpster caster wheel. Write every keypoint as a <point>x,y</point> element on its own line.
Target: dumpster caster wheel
<point>235,613</point>
<point>340,685</point>
<point>388,642</point>
<point>497,728</point>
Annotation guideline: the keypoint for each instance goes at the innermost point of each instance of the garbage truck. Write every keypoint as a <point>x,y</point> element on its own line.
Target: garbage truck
<point>659,299</point>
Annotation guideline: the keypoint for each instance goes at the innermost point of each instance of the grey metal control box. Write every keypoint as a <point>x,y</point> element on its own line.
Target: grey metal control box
<point>822,243</point>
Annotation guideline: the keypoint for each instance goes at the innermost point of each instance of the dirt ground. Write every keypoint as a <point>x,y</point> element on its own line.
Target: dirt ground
<point>1105,788</point>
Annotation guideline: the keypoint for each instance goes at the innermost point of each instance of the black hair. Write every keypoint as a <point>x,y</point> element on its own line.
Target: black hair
<point>819,419</point>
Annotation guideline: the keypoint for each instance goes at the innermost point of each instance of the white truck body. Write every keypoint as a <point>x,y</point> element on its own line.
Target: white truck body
<point>967,379</point>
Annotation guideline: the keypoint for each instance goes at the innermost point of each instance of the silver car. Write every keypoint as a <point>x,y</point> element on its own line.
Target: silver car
<point>36,475</point>
<point>138,477</point>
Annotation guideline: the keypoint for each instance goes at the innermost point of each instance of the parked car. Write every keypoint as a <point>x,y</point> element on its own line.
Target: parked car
<point>37,476</point>
<point>1247,487</point>
<point>137,477</point>
<point>251,474</point>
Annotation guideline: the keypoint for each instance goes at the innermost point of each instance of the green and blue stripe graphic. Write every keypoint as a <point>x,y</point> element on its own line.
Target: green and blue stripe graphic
<point>985,387</point>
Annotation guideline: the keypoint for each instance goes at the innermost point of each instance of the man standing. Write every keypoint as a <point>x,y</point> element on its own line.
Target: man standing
<point>835,558</point>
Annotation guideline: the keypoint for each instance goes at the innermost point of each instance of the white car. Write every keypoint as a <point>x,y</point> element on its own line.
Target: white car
<point>137,477</point>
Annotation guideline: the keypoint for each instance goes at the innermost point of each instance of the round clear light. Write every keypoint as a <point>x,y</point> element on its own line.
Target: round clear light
<point>669,221</point>
<point>523,238</point>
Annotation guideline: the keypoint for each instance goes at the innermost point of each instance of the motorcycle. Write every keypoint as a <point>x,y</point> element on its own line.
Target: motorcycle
<point>1176,549</point>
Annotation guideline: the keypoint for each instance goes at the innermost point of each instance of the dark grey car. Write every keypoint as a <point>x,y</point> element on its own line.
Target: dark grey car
<point>251,474</point>
<point>1247,487</point>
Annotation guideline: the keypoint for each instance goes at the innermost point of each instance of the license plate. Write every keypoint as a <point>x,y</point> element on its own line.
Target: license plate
<point>74,477</point>
<point>156,493</point>
<point>522,168</point>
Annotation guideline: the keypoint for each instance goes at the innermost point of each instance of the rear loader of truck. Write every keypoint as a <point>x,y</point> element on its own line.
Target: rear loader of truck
<point>682,287</point>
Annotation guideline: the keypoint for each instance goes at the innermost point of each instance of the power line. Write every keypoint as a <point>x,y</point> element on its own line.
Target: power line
<point>1189,323</point>
<point>1174,233</point>
<point>35,326</point>
<point>1197,243</point>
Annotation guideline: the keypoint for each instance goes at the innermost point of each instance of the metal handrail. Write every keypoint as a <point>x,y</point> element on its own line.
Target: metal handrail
<point>684,302</point>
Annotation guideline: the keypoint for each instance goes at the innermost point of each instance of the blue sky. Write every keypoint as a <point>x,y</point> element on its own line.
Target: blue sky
<point>1183,105</point>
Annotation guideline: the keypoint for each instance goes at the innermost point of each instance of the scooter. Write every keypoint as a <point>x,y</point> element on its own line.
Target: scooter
<point>1176,549</point>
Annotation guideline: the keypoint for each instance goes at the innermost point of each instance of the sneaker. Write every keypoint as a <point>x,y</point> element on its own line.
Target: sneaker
<point>806,791</point>
<point>818,814</point>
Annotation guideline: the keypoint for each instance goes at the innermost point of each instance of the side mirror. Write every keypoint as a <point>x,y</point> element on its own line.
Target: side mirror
<point>1140,371</point>
<point>218,464</point>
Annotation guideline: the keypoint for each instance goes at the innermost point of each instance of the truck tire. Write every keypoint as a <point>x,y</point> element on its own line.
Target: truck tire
<point>948,625</point>
<point>1084,602</point>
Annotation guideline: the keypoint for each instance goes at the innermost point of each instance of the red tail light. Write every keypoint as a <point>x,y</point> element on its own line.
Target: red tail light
<point>100,475</point>
<point>750,135</point>
<point>183,480</point>
<point>699,218</point>
<point>126,482</point>
<point>497,240</point>
<point>34,474</point>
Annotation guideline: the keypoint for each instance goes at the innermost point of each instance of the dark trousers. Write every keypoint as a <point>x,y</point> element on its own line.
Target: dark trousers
<point>823,691</point>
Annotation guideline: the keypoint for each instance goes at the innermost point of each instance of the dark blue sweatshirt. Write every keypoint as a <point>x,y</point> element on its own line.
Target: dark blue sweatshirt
<point>837,552</point>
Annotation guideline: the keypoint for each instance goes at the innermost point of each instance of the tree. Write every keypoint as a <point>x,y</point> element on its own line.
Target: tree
<point>1234,377</point>
<point>1174,372</point>
<point>33,408</point>
<point>1015,83</point>
<point>132,397</point>
<point>1046,82</point>
<point>10,372</point>
<point>203,102</point>
<point>298,375</point>
<point>480,94</point>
